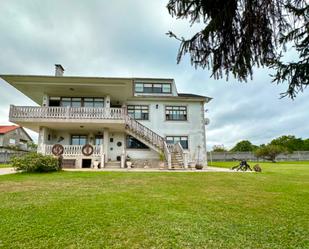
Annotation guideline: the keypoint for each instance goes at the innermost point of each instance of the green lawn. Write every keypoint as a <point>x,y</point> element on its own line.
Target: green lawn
<point>157,210</point>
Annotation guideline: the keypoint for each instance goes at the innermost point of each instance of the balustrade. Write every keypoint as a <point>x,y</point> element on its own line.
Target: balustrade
<point>50,112</point>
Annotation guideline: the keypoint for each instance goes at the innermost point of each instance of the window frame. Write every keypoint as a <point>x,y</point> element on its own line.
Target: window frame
<point>79,136</point>
<point>176,106</point>
<point>82,101</point>
<point>153,87</point>
<point>178,136</point>
<point>141,106</point>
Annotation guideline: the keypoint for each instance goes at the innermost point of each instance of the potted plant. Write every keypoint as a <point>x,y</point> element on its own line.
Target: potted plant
<point>128,162</point>
<point>162,159</point>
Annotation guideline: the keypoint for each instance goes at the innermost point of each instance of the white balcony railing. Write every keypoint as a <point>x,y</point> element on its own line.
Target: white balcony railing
<point>29,112</point>
<point>73,150</point>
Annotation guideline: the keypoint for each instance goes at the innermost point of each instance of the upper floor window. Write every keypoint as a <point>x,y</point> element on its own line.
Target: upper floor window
<point>78,140</point>
<point>176,113</point>
<point>93,102</point>
<point>153,88</point>
<point>139,112</point>
<point>183,140</point>
<point>78,102</point>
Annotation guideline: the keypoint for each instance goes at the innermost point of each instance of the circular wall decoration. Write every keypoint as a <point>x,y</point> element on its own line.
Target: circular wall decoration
<point>87,150</point>
<point>57,149</point>
<point>119,144</point>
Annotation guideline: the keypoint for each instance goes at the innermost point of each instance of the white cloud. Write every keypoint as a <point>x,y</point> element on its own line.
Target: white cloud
<point>127,38</point>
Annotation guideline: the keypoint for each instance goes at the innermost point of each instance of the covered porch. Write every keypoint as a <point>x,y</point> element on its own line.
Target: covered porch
<point>103,144</point>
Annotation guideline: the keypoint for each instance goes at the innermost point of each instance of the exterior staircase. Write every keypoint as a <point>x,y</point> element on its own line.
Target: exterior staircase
<point>175,156</point>
<point>113,165</point>
<point>144,134</point>
<point>177,160</point>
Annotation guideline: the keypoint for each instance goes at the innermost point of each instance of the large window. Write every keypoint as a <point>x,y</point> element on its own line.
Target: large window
<point>176,113</point>
<point>133,143</point>
<point>94,102</point>
<point>78,139</point>
<point>77,102</point>
<point>139,112</point>
<point>175,139</point>
<point>153,88</point>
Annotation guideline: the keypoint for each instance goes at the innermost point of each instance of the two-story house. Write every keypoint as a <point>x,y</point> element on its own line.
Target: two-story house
<point>13,138</point>
<point>103,121</point>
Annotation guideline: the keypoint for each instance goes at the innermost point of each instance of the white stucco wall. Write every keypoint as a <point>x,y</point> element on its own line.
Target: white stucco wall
<point>194,127</point>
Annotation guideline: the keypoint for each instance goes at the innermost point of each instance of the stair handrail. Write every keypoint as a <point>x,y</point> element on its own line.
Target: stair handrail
<point>142,130</point>
<point>167,154</point>
<point>178,148</point>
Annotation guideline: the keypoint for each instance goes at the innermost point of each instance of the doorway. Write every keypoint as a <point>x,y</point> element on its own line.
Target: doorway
<point>86,163</point>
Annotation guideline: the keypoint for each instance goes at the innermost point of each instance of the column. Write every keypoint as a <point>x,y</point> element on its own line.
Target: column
<point>91,138</point>
<point>42,140</point>
<point>106,144</point>
<point>45,101</point>
<point>107,101</point>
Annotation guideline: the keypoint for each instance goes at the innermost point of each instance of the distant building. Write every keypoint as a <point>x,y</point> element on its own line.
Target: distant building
<point>13,137</point>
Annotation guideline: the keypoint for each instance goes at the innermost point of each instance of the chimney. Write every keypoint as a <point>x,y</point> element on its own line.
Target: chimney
<point>59,70</point>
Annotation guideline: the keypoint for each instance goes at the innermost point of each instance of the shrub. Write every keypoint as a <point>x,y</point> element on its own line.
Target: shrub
<point>35,162</point>
<point>270,152</point>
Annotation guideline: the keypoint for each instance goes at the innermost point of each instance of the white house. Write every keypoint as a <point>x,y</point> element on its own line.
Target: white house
<point>103,121</point>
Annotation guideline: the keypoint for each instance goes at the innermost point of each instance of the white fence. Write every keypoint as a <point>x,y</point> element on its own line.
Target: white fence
<point>249,156</point>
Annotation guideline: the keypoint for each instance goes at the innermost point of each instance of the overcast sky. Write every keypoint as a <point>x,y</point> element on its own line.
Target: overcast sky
<point>127,38</point>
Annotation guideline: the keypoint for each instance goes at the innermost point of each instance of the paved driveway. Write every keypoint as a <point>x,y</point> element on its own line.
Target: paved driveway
<point>5,171</point>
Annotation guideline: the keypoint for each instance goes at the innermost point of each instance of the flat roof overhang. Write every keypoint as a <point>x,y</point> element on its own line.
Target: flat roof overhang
<point>36,86</point>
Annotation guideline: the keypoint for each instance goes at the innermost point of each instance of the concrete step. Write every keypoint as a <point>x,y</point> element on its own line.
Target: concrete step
<point>113,164</point>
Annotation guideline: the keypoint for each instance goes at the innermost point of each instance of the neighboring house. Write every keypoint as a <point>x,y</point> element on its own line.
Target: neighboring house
<point>100,120</point>
<point>13,137</point>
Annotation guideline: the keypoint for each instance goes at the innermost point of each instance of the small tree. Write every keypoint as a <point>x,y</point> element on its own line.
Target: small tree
<point>269,152</point>
<point>219,148</point>
<point>290,143</point>
<point>244,146</point>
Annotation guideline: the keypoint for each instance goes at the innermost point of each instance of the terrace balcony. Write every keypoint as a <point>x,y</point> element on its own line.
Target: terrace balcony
<point>34,114</point>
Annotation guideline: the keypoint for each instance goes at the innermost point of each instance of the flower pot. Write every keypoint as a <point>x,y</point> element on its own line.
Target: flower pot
<point>199,166</point>
<point>129,164</point>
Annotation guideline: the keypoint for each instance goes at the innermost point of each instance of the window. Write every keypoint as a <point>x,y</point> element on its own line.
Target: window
<point>65,102</point>
<point>78,140</point>
<point>94,102</point>
<point>176,113</point>
<point>12,141</point>
<point>98,139</point>
<point>139,112</point>
<point>76,102</point>
<point>175,139</point>
<point>139,87</point>
<point>82,102</point>
<point>153,88</point>
<point>133,143</point>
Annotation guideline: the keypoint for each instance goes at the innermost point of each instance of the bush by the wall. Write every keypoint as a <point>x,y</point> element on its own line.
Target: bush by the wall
<point>35,162</point>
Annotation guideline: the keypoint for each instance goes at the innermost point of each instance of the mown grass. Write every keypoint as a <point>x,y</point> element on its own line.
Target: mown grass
<point>267,165</point>
<point>156,210</point>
